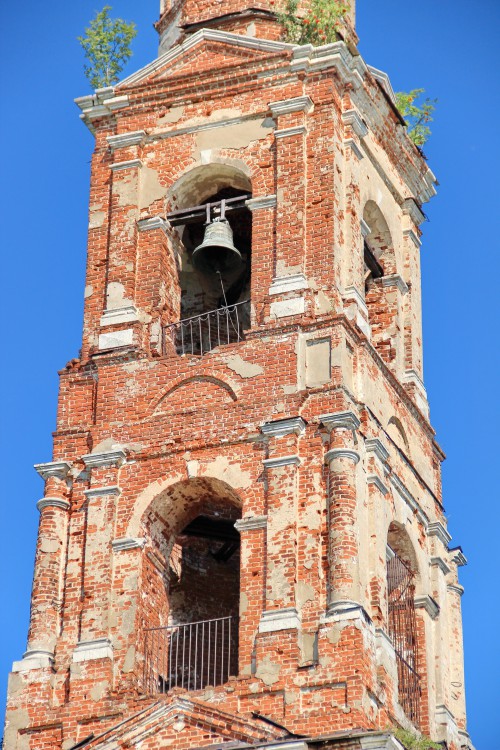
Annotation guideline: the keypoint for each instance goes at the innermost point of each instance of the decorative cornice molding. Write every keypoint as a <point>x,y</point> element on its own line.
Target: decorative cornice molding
<point>413,210</point>
<point>52,502</point>
<point>341,420</point>
<point>379,741</point>
<point>413,378</point>
<point>456,588</point>
<point>129,164</point>
<point>292,283</point>
<point>126,543</point>
<point>100,648</point>
<point>429,604</point>
<point>154,222</point>
<point>412,236</point>
<point>395,280</point>
<point>351,293</point>
<point>109,458</point>
<point>101,103</point>
<point>57,469</point>
<point>275,463</point>
<point>264,201</point>
<point>279,619</point>
<point>288,132</point>
<point>457,556</point>
<point>250,523</point>
<point>375,479</point>
<point>353,118</point>
<point>127,314</point>
<point>344,610</point>
<point>34,659</point>
<point>441,564</point>
<point>102,491</point>
<point>125,140</point>
<point>436,528</point>
<point>312,59</point>
<point>337,453</point>
<point>355,148</point>
<point>374,445</point>
<point>282,427</point>
<point>287,106</point>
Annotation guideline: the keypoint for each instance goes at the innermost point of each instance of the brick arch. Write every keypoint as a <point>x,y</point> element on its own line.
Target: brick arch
<point>215,385</point>
<point>380,237</point>
<point>196,183</point>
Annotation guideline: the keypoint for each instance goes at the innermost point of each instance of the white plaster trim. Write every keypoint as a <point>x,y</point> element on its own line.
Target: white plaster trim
<point>100,648</point>
<point>57,469</point>
<point>264,201</point>
<point>406,495</point>
<point>456,588</point>
<point>389,553</point>
<point>412,236</point>
<point>374,445</point>
<point>250,523</point>
<point>467,742</point>
<point>384,80</point>
<point>365,229</point>
<point>353,118</point>
<point>100,104</point>
<point>109,458</point>
<point>279,619</point>
<point>155,222</point>
<point>458,557</point>
<point>384,640</point>
<point>288,132</point>
<point>343,610</point>
<point>443,715</point>
<point>285,308</point>
<point>340,420</point>
<point>116,339</point>
<point>287,106</point>
<point>436,528</point>
<point>293,745</point>
<point>411,209</point>
<point>129,164</point>
<point>351,293</point>
<point>351,143</point>
<point>441,564</point>
<point>282,427</point>
<point>395,280</point>
<point>380,742</point>
<point>337,453</point>
<point>102,491</point>
<point>34,659</point>
<point>375,479</point>
<point>127,314</point>
<point>274,463</point>
<point>126,543</point>
<point>429,604</point>
<point>412,377</point>
<point>52,502</point>
<point>292,283</point>
<point>124,140</point>
<point>336,55</point>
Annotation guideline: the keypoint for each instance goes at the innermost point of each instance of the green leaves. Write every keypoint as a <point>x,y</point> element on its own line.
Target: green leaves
<point>411,740</point>
<point>107,48</point>
<point>319,25</point>
<point>417,116</point>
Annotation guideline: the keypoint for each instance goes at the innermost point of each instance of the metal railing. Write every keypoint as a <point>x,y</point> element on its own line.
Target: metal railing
<point>202,333</point>
<point>191,656</point>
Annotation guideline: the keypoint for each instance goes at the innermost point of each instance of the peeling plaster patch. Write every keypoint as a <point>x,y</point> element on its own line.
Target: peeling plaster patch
<point>232,474</point>
<point>126,190</point>
<point>280,588</point>
<point>310,517</point>
<point>151,189</point>
<point>267,671</point>
<point>291,696</point>
<point>130,582</point>
<point>243,603</point>
<point>304,593</point>
<point>15,720</point>
<point>289,389</point>
<point>96,219</point>
<point>308,641</point>
<point>283,270</point>
<point>115,296</point>
<point>174,114</point>
<point>192,468</point>
<point>49,545</point>
<point>88,291</point>
<point>98,691</point>
<point>322,303</point>
<point>243,368</point>
<point>237,135</point>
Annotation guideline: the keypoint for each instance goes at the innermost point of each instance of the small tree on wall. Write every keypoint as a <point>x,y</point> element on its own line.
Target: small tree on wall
<point>107,48</point>
<point>318,25</point>
<point>417,116</point>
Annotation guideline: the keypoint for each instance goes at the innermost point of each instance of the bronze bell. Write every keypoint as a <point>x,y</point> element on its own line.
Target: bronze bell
<point>217,252</point>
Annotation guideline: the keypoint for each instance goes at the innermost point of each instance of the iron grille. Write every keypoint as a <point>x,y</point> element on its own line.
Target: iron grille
<point>191,656</point>
<point>403,631</point>
<point>202,333</point>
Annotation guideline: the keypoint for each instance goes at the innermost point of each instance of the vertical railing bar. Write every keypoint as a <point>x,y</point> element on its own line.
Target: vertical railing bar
<point>215,655</point>
<point>202,653</point>
<point>222,653</point>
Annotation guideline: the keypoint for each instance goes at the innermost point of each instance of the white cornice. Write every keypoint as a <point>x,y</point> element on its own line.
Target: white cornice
<point>395,280</point>
<point>288,132</point>
<point>279,619</point>
<point>52,502</point>
<point>264,201</point>
<point>412,236</point>
<point>274,463</point>
<point>129,164</point>
<point>441,564</point>
<point>337,453</point>
<point>351,293</point>
<point>355,148</point>
<point>127,314</point>
<point>384,81</point>
<point>311,59</point>
<point>292,283</point>
<point>154,222</point>
<point>456,588</point>
<point>375,479</point>
<point>101,103</point>
<point>57,469</point>
<point>458,557</point>
<point>412,209</point>
<point>374,445</point>
<point>287,106</point>
<point>429,604</point>
<point>345,420</point>
<point>109,458</point>
<point>125,140</point>
<point>126,543</point>
<point>102,491</point>
<point>353,118</point>
<point>282,427</point>
<point>100,648</point>
<point>250,523</point>
<point>436,528</point>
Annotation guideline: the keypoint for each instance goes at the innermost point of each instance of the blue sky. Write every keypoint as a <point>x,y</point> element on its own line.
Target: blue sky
<point>447,47</point>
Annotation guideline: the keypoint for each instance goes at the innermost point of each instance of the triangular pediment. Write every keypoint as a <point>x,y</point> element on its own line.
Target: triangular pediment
<point>167,719</point>
<point>206,50</point>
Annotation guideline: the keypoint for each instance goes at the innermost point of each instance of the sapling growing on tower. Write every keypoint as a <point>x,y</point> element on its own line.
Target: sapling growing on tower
<point>107,48</point>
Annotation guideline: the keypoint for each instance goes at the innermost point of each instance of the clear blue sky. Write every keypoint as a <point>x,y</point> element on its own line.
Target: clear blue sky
<point>448,47</point>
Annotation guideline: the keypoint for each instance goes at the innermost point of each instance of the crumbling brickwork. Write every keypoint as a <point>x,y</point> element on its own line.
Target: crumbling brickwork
<point>262,478</point>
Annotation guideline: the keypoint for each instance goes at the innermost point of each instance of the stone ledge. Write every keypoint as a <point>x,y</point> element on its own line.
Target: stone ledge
<point>52,502</point>
<point>375,480</point>
<point>129,164</point>
<point>34,659</point>
<point>353,118</point>
<point>126,543</point>
<point>125,140</point>
<point>345,420</point>
<point>264,201</point>
<point>127,314</point>
<point>289,132</point>
<point>337,453</point>
<point>100,648</point>
<point>287,106</point>
<point>279,619</point>
<point>282,427</point>
<point>274,463</point>
<point>57,469</point>
<point>102,491</point>
<point>429,604</point>
<point>284,284</point>
<point>250,523</point>
<point>109,458</point>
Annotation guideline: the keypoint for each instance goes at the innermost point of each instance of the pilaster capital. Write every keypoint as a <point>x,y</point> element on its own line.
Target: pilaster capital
<point>375,446</point>
<point>456,588</point>
<point>353,118</point>
<point>102,491</point>
<point>438,562</point>
<point>263,201</point>
<point>341,420</point>
<point>56,469</point>
<point>377,482</point>
<point>250,523</point>
<point>437,529</point>
<point>287,106</point>
<point>413,210</point>
<point>429,604</point>
<point>275,463</point>
<point>279,619</point>
<point>108,458</point>
<point>100,648</point>
<point>128,164</point>
<point>126,543</point>
<point>413,237</point>
<point>288,132</point>
<point>154,222</point>
<point>395,280</point>
<point>34,659</point>
<point>282,427</point>
<point>52,502</point>
<point>337,453</point>
<point>458,557</point>
<point>125,140</point>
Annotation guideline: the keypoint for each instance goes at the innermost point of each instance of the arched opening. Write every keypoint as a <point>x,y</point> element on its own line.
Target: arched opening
<point>381,299</point>
<point>215,297</point>
<point>396,431</point>
<point>402,572</point>
<point>191,587</point>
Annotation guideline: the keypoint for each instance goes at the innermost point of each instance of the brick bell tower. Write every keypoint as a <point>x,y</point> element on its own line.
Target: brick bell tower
<point>242,539</point>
